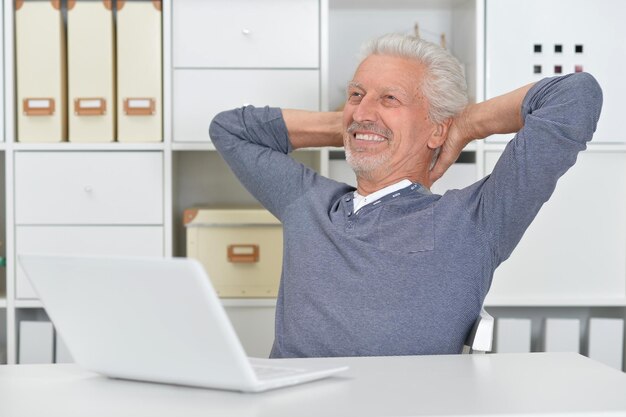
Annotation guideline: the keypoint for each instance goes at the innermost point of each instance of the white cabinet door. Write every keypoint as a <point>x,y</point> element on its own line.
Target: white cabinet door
<point>200,94</point>
<point>245,33</point>
<point>84,240</point>
<point>559,28</point>
<point>89,188</point>
<point>576,247</point>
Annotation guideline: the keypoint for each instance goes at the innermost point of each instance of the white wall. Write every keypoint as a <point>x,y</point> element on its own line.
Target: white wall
<point>350,27</point>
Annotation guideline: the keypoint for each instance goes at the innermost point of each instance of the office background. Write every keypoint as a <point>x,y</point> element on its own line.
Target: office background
<point>83,184</point>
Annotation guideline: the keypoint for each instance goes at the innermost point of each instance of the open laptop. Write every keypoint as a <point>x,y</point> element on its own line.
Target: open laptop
<point>152,319</point>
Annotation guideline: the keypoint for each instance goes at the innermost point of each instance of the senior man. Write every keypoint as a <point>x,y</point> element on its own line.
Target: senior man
<point>390,268</point>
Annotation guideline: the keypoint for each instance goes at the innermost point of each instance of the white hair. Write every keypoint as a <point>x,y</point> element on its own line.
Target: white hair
<point>444,85</point>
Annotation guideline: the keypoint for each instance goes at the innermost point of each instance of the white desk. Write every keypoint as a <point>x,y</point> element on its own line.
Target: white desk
<point>537,384</point>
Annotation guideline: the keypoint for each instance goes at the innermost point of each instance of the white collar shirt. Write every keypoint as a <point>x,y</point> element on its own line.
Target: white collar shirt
<point>360,201</point>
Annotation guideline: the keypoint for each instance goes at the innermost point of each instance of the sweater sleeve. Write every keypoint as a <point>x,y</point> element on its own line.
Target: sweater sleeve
<point>560,116</point>
<point>254,142</point>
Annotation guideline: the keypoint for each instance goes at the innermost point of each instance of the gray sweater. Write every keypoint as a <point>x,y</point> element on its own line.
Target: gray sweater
<point>406,275</point>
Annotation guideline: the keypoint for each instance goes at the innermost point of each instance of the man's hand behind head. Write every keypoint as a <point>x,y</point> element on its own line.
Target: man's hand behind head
<point>458,137</point>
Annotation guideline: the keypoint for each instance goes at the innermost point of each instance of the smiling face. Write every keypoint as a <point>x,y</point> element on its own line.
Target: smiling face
<point>386,124</point>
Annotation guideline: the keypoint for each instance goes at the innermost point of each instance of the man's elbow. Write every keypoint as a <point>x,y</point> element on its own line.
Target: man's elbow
<point>591,99</point>
<point>222,124</point>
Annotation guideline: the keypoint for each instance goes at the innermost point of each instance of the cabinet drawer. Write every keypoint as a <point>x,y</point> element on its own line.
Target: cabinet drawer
<point>84,240</point>
<point>89,188</point>
<point>245,33</point>
<point>200,94</point>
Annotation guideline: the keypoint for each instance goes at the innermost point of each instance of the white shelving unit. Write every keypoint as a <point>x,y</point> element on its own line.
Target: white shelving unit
<point>193,173</point>
<point>19,303</point>
<point>574,253</point>
<point>3,275</point>
<point>571,262</point>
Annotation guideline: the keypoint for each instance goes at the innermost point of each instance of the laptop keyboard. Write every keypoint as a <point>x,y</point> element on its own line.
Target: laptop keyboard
<point>271,372</point>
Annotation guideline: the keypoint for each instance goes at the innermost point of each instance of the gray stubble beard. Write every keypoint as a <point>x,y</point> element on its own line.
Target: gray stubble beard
<point>364,167</point>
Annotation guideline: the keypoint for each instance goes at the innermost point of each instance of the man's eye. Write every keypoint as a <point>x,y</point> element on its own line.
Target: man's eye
<point>354,96</point>
<point>391,98</point>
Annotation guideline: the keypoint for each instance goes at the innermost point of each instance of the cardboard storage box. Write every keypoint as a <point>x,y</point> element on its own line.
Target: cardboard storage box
<point>139,78</point>
<point>40,71</point>
<point>91,72</point>
<point>241,249</point>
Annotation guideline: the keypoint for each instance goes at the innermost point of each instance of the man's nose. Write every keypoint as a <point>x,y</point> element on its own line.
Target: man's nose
<point>366,110</point>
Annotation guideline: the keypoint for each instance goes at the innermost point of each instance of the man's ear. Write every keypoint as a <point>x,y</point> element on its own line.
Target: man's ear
<point>439,134</point>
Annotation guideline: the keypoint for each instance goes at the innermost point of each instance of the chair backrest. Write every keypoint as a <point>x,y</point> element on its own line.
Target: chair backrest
<point>480,338</point>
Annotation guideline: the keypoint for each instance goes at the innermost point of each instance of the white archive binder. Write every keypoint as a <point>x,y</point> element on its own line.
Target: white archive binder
<point>513,335</point>
<point>561,335</point>
<point>606,341</point>
<point>36,342</point>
